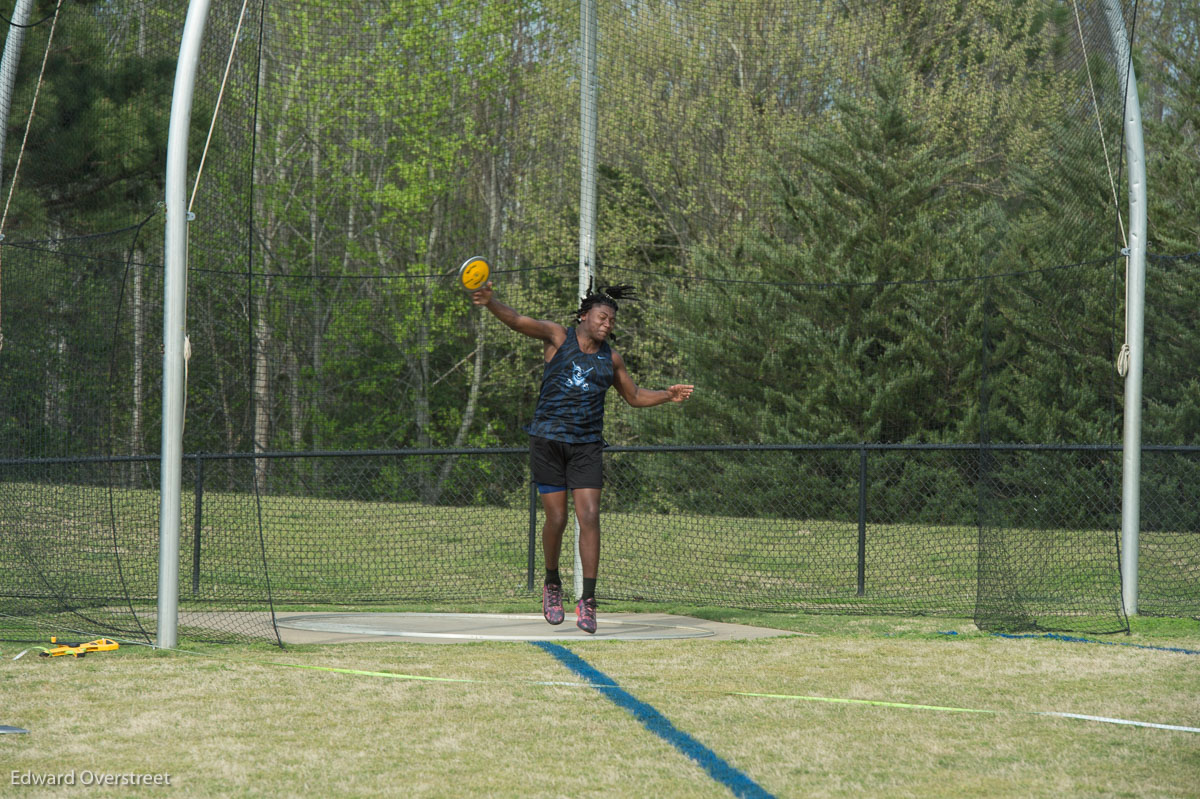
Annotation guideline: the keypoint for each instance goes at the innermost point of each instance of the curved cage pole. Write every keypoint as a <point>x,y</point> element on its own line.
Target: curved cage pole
<point>8,66</point>
<point>175,323</point>
<point>1135,307</point>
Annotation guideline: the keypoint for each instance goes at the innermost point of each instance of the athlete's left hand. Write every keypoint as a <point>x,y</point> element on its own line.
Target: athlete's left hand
<point>680,392</point>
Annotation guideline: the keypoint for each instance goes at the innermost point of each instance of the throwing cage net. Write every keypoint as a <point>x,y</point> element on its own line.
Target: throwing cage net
<point>884,244</point>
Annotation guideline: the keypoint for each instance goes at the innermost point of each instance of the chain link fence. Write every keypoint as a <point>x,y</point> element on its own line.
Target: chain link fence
<point>954,530</point>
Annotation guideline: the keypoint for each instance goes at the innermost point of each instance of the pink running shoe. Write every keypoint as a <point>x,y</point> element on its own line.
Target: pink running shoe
<point>585,615</point>
<point>552,607</point>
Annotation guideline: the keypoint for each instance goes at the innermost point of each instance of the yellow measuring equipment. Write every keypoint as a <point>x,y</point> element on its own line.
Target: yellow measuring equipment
<point>79,650</point>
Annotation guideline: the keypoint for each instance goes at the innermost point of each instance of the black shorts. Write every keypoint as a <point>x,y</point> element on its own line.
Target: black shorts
<point>559,464</point>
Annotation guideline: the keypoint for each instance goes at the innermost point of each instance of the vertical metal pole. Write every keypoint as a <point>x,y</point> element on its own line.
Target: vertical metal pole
<point>862,520</point>
<point>588,123</point>
<point>8,67</point>
<point>175,322</point>
<point>532,533</point>
<point>198,515</point>
<point>1135,312</point>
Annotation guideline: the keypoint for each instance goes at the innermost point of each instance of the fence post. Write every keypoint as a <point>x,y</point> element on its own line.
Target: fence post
<point>862,519</point>
<point>198,514</point>
<point>532,534</point>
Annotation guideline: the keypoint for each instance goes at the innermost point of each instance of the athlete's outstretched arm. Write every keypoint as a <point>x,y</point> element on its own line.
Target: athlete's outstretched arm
<point>552,333</point>
<point>644,397</point>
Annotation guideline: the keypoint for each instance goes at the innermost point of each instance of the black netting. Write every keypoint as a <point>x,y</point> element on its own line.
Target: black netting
<point>1169,551</point>
<point>883,242</point>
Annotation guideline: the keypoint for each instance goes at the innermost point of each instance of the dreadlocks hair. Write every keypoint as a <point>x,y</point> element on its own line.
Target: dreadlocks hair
<point>605,295</point>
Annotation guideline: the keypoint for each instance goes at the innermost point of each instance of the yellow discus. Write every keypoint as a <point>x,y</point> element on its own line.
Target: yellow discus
<point>474,272</point>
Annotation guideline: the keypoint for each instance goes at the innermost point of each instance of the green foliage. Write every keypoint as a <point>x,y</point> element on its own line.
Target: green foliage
<point>822,352</point>
<point>809,199</point>
<point>1172,133</point>
<point>96,150</point>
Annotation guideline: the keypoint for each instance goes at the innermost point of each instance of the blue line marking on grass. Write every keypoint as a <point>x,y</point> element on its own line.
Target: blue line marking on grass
<point>1076,640</point>
<point>717,768</point>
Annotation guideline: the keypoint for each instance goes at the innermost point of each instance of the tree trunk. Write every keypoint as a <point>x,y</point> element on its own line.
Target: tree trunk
<point>292,365</point>
<point>139,339</point>
<point>269,230</point>
<point>262,385</point>
<point>222,386</point>
<point>493,194</point>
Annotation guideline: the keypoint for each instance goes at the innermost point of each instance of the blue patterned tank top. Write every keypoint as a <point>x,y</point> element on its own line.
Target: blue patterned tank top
<point>570,406</point>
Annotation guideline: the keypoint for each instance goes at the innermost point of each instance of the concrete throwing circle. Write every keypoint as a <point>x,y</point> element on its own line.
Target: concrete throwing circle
<point>484,627</point>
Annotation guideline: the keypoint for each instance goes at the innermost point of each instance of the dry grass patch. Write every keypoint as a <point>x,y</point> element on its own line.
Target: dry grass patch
<point>229,723</point>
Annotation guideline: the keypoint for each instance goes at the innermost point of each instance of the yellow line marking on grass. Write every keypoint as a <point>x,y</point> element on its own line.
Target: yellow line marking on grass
<point>392,674</point>
<point>874,702</point>
<point>905,705</point>
<point>420,677</point>
<point>750,694</point>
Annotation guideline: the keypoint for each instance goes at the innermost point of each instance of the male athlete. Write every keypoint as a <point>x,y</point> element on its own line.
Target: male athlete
<point>565,436</point>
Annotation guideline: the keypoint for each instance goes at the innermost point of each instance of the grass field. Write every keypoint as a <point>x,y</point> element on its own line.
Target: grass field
<point>243,720</point>
<point>227,721</point>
